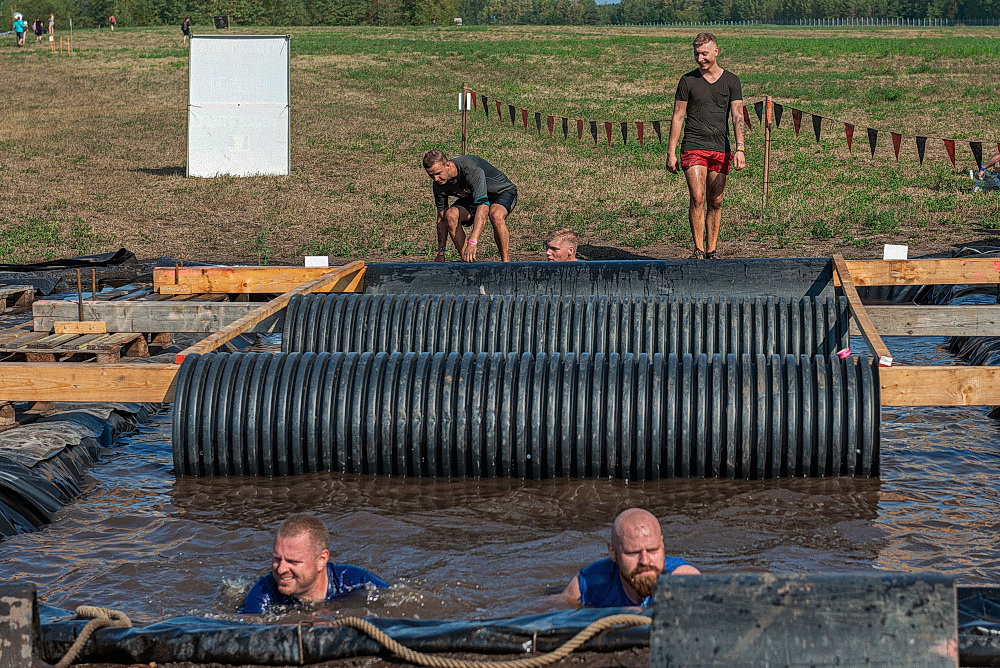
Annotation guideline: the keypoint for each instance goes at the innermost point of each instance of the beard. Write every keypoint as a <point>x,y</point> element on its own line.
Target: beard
<point>643,584</point>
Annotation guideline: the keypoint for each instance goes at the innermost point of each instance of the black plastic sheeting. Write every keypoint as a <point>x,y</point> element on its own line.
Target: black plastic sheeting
<point>494,323</point>
<point>634,417</point>
<point>811,277</point>
<point>120,256</point>
<point>204,640</point>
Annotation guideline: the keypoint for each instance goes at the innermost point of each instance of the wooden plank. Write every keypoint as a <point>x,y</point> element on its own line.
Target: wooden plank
<point>914,320</point>
<point>949,271</point>
<point>136,382</point>
<point>213,341</point>
<point>246,279</point>
<point>53,341</point>
<point>75,327</point>
<point>24,340</point>
<point>153,316</point>
<point>759,620</point>
<point>940,386</point>
<point>868,331</point>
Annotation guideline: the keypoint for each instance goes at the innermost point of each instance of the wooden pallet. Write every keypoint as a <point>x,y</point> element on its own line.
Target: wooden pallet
<point>18,345</point>
<point>15,297</point>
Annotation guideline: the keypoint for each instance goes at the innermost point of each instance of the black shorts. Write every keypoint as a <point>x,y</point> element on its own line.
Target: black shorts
<point>507,199</point>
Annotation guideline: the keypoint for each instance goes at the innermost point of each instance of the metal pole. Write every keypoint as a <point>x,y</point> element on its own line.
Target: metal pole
<point>767,146</point>
<point>465,118</point>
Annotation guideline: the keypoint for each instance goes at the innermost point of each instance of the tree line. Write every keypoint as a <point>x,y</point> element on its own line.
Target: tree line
<point>95,13</point>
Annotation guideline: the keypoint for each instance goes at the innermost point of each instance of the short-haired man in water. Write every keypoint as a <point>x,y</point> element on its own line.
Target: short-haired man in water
<point>561,245</point>
<point>301,571</point>
<point>636,558</point>
<point>483,193</point>
<point>704,101</point>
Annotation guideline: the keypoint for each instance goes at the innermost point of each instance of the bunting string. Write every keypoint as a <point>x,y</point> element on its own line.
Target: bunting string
<point>482,102</point>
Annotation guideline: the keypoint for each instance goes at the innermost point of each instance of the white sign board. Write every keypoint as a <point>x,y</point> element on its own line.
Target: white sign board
<point>238,105</point>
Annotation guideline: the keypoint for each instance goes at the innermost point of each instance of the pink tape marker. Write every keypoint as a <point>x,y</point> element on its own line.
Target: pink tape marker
<point>844,354</point>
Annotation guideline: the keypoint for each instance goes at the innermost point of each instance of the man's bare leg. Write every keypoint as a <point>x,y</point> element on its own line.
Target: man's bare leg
<point>454,217</point>
<point>498,219</point>
<point>713,206</point>
<point>697,176</point>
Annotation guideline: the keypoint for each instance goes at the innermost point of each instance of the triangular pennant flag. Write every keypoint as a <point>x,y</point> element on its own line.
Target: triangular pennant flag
<point>897,139</point>
<point>593,130</point>
<point>524,118</point>
<point>872,139</point>
<point>607,131</point>
<point>656,129</point>
<point>758,108</point>
<point>625,133</point>
<point>817,122</point>
<point>778,110</point>
<point>746,119</point>
<point>486,106</point>
<point>510,110</point>
<point>797,120</point>
<point>550,122</point>
<point>640,129</point>
<point>949,145</point>
<point>565,126</point>
<point>538,122</point>
<point>579,130</point>
<point>474,100</point>
<point>977,152</point>
<point>921,146</point>
<point>849,131</point>
<point>998,147</point>
<point>499,115</point>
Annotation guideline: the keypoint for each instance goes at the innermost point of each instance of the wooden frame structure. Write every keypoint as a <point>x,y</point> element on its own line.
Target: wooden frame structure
<point>900,385</point>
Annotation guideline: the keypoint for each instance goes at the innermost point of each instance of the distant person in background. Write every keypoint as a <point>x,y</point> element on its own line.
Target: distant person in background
<point>185,30</point>
<point>301,572</point>
<point>636,558</point>
<point>52,25</point>
<point>705,100</point>
<point>112,21</point>
<point>561,245</point>
<point>39,29</point>
<point>483,193</point>
<point>20,27</point>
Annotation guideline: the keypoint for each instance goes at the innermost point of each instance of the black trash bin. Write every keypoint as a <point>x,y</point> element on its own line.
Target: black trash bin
<point>221,22</point>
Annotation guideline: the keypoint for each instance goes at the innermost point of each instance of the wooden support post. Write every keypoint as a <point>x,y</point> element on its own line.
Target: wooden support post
<point>20,632</point>
<point>236,328</point>
<point>134,382</point>
<point>767,146</point>
<point>868,330</point>
<point>465,116</point>
<point>252,280</point>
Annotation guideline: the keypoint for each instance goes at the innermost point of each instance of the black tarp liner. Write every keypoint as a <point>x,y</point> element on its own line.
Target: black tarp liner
<point>120,256</point>
<point>811,277</point>
<point>208,640</point>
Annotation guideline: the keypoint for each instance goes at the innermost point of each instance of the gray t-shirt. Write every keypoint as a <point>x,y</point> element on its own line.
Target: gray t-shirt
<point>706,127</point>
<point>477,179</point>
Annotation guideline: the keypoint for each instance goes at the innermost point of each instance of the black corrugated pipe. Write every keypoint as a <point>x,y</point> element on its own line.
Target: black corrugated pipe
<point>635,417</point>
<point>542,324</point>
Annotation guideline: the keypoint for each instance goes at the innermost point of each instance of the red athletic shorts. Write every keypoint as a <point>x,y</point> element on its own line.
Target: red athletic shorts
<point>716,161</point>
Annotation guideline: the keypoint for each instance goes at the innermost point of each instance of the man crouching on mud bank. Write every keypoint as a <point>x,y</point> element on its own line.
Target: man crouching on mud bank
<point>483,193</point>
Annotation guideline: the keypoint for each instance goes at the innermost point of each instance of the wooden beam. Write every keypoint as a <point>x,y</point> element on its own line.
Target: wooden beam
<point>868,330</point>
<point>940,386</point>
<point>27,381</point>
<point>227,333</point>
<point>153,316</point>
<point>193,280</point>
<point>914,320</point>
<point>948,271</point>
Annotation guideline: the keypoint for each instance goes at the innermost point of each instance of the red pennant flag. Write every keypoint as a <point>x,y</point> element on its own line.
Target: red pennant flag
<point>949,145</point>
<point>746,119</point>
<point>797,120</point>
<point>872,139</point>
<point>639,130</point>
<point>579,130</point>
<point>607,131</point>
<point>474,107</point>
<point>499,114</point>
<point>849,131</point>
<point>897,139</point>
<point>524,118</point>
<point>550,122</point>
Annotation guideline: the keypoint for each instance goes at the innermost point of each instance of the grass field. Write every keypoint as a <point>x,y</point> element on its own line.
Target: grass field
<point>93,145</point>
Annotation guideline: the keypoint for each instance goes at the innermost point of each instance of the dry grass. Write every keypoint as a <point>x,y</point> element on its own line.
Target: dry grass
<point>93,146</point>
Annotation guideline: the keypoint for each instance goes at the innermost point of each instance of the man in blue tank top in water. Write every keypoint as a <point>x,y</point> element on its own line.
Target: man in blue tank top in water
<point>301,571</point>
<point>636,559</point>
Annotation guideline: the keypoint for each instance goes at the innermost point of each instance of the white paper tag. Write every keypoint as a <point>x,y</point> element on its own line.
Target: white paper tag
<point>885,360</point>
<point>891,252</point>
<point>317,261</point>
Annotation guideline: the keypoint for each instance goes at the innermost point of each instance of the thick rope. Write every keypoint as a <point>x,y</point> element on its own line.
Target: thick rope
<point>99,618</point>
<point>564,650</point>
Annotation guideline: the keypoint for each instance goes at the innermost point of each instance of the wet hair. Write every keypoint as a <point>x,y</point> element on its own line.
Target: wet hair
<point>564,234</point>
<point>703,38</point>
<point>305,523</point>
<point>434,157</point>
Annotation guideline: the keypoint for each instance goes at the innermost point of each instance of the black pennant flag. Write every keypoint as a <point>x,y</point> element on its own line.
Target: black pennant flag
<point>625,133</point>
<point>778,110</point>
<point>656,129</point>
<point>538,122</point>
<point>510,110</point>
<point>817,122</point>
<point>921,146</point>
<point>977,152</point>
<point>486,106</point>
<point>758,107</point>
<point>872,139</point>
<point>593,130</point>
<point>565,128</point>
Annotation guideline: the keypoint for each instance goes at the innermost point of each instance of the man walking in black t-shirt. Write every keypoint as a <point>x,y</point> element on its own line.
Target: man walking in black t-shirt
<point>482,193</point>
<point>704,101</point>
